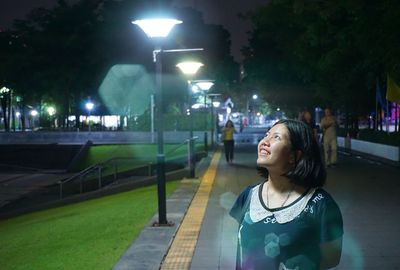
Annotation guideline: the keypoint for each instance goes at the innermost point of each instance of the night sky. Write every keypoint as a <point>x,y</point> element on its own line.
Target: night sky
<point>222,12</point>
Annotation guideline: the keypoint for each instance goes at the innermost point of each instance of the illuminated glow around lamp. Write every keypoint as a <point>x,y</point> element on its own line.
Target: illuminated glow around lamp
<point>51,111</point>
<point>156,27</point>
<point>34,112</point>
<point>89,106</point>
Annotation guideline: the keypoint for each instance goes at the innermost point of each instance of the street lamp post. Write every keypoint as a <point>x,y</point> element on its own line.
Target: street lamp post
<point>89,106</point>
<point>51,111</point>
<point>34,113</point>
<point>159,28</point>
<point>205,85</point>
<point>190,69</point>
<point>212,96</point>
<point>249,114</point>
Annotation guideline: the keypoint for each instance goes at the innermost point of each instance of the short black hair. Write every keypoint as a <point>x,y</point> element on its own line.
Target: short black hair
<point>309,170</point>
<point>229,121</point>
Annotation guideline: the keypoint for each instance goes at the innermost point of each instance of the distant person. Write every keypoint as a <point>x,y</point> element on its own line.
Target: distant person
<point>307,118</point>
<point>288,221</point>
<point>229,143</point>
<point>241,126</point>
<point>329,126</point>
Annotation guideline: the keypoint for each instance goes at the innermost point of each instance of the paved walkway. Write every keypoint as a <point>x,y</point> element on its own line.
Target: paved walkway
<point>204,235</point>
<point>14,186</point>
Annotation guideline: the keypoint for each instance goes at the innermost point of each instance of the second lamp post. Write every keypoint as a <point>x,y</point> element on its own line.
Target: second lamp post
<point>190,69</point>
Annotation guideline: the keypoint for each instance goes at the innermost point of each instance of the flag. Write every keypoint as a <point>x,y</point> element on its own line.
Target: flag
<point>392,90</point>
<point>379,96</point>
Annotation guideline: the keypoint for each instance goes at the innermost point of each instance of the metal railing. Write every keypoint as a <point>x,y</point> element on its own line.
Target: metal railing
<point>97,170</point>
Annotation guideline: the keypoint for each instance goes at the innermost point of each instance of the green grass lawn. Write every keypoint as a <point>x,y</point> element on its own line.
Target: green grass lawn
<point>88,235</point>
<point>140,154</point>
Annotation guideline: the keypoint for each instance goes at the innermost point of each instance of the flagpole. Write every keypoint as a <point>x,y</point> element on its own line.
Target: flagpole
<point>396,118</point>
<point>376,106</point>
<point>387,117</point>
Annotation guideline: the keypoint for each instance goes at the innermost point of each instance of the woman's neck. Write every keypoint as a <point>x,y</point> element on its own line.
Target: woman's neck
<point>280,183</point>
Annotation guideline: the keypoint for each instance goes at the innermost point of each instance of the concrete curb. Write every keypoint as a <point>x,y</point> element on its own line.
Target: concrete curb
<point>149,249</point>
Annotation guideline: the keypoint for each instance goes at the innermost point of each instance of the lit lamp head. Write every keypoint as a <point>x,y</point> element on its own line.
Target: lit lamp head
<point>204,85</point>
<point>189,68</point>
<point>158,27</point>
<point>4,90</point>
<point>89,106</point>
<point>34,113</point>
<point>216,104</point>
<point>51,110</point>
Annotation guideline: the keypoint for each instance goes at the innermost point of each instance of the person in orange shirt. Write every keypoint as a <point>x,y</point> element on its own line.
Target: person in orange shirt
<point>229,142</point>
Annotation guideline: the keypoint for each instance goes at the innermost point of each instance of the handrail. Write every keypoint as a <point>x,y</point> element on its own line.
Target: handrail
<point>81,173</point>
<point>182,143</point>
<point>99,167</point>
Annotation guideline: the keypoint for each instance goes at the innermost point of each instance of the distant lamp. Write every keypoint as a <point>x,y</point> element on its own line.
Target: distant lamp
<point>156,27</point>
<point>204,85</point>
<point>4,90</point>
<point>189,68</point>
<point>34,113</point>
<point>213,119</point>
<point>89,106</point>
<point>216,104</point>
<point>51,111</point>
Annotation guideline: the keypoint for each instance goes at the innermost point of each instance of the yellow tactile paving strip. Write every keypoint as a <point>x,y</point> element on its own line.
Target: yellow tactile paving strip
<point>181,251</point>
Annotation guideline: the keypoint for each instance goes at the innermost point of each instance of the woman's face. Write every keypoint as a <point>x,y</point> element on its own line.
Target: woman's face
<point>275,151</point>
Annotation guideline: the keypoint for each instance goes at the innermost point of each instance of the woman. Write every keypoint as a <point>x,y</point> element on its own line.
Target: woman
<point>229,143</point>
<point>288,221</point>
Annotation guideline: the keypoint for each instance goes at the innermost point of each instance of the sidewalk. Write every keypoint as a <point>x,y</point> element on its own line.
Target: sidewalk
<point>204,235</point>
<point>208,231</point>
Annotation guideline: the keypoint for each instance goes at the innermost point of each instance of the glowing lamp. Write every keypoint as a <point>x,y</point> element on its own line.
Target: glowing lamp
<point>189,68</point>
<point>157,27</point>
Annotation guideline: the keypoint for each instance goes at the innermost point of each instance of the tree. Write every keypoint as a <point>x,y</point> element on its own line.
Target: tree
<point>306,53</point>
<point>63,53</point>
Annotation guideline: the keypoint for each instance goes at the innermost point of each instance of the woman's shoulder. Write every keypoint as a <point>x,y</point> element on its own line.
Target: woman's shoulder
<point>321,195</point>
<point>247,190</point>
<point>323,200</point>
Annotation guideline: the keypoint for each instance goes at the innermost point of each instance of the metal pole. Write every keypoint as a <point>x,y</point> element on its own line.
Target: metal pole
<point>152,117</point>
<point>191,142</point>
<point>162,208</point>
<point>212,123</point>
<point>89,120</point>
<point>205,125</point>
